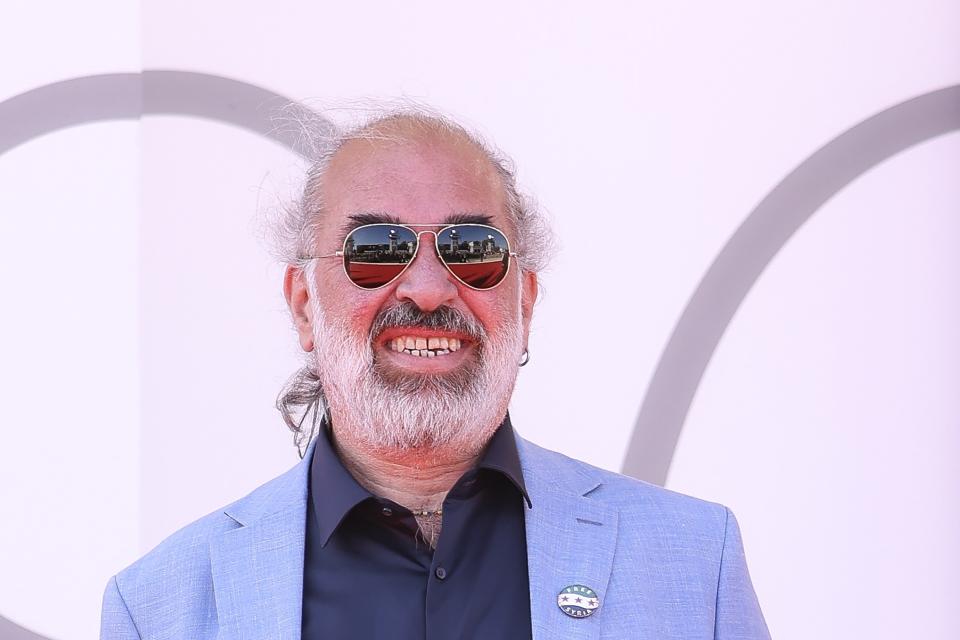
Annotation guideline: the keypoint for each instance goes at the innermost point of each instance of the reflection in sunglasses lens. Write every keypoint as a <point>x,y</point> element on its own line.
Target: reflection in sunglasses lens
<point>375,254</point>
<point>477,254</point>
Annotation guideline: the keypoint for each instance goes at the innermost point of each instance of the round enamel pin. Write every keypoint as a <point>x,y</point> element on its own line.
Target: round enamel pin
<point>578,601</point>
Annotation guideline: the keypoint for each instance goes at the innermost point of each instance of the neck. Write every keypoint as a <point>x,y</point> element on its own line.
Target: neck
<point>417,478</point>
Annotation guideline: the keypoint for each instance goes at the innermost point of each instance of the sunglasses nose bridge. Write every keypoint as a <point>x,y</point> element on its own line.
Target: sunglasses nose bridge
<point>434,244</point>
<point>427,283</point>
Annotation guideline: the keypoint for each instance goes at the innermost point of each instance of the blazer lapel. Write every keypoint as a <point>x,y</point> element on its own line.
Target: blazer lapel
<point>258,567</point>
<point>571,540</point>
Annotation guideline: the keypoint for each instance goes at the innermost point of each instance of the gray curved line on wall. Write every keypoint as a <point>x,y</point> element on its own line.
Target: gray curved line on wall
<point>748,252</point>
<point>128,96</point>
<point>12,631</point>
<point>125,96</point>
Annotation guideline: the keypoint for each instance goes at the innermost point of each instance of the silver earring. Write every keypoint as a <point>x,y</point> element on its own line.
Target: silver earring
<point>525,358</point>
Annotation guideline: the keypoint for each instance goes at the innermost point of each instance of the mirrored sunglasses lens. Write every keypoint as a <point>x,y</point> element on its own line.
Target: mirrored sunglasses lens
<point>376,254</point>
<point>477,254</point>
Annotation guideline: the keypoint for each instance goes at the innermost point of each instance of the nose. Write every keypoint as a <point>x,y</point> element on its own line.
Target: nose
<point>426,282</point>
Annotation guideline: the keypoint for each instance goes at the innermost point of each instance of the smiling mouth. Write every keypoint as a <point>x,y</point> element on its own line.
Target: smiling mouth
<point>425,347</point>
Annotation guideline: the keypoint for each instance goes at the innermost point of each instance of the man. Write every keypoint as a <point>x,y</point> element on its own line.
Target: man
<point>416,511</point>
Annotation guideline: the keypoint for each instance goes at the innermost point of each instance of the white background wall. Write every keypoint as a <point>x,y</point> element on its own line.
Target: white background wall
<point>144,335</point>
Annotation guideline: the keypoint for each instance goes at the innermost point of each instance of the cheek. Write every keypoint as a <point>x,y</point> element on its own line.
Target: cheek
<point>497,309</point>
<point>360,310</point>
<point>344,303</point>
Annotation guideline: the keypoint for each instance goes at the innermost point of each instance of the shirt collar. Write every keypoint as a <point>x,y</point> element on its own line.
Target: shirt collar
<point>501,455</point>
<point>334,491</point>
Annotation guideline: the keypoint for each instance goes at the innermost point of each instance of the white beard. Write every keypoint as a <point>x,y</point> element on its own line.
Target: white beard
<point>394,411</point>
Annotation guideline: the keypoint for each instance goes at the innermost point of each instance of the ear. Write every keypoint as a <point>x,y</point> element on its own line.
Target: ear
<point>528,298</point>
<point>297,293</point>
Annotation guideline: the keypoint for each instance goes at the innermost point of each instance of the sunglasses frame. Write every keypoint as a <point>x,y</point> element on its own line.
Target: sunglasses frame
<point>436,243</point>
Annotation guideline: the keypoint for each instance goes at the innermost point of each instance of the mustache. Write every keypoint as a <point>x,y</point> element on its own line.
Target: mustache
<point>407,314</point>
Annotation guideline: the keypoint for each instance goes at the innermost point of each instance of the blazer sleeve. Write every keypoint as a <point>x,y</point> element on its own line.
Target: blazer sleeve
<point>116,623</point>
<point>738,611</point>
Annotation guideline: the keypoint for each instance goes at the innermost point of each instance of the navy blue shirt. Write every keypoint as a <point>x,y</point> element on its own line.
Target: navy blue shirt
<point>367,574</point>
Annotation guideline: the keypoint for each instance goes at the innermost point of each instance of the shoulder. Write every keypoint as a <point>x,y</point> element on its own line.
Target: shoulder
<point>170,588</point>
<point>176,574</point>
<point>678,561</point>
<point>638,503</point>
<point>185,549</point>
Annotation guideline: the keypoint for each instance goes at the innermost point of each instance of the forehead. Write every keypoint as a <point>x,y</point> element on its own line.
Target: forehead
<point>421,178</point>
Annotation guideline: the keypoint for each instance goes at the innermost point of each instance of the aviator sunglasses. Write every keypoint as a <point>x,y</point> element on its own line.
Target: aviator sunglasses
<point>374,255</point>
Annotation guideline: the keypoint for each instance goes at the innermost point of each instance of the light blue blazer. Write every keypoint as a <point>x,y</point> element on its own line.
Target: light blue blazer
<point>664,565</point>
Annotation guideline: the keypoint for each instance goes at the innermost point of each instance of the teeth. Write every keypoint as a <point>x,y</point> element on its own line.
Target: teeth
<point>425,347</point>
<point>425,353</point>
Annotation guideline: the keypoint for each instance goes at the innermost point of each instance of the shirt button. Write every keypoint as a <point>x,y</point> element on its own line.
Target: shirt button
<point>387,511</point>
<point>441,573</point>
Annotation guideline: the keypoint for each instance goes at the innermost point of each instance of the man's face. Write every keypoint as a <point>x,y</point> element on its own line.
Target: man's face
<point>407,401</point>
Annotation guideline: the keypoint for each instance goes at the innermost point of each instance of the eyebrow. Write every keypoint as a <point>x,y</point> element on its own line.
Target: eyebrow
<point>360,219</point>
<point>372,217</point>
<point>469,218</point>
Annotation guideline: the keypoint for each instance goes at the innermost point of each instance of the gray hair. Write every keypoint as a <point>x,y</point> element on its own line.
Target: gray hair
<point>294,231</point>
